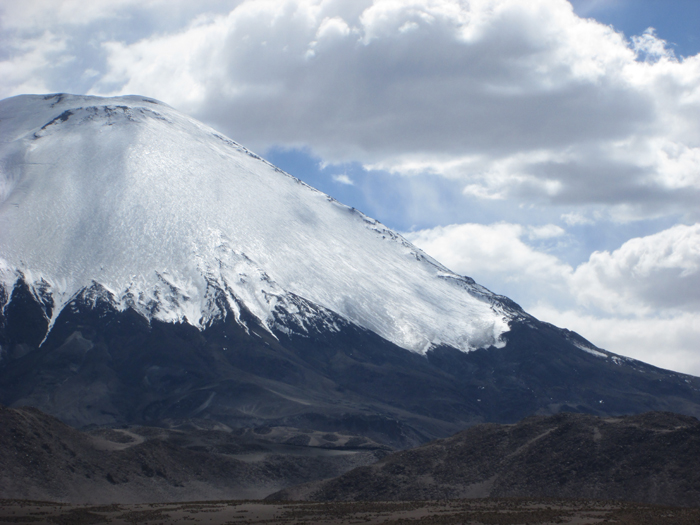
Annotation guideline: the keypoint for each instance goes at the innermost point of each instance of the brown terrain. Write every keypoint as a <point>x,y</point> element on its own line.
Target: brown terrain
<point>42,458</point>
<point>567,468</point>
<point>650,458</point>
<point>445,512</point>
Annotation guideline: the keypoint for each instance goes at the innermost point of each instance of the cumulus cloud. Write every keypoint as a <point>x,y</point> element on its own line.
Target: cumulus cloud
<point>41,13</point>
<point>495,253</point>
<point>669,342</point>
<point>574,218</point>
<point>519,100</point>
<point>29,15</point>
<point>50,46</point>
<point>548,231</point>
<point>646,275</point>
<point>659,272</point>
<point>343,179</point>
<point>641,300</point>
<point>30,58</point>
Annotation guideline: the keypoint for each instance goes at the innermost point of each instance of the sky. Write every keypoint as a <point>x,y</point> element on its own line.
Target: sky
<point>548,149</point>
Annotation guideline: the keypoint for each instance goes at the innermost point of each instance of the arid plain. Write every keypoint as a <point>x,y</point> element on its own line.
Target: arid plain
<point>481,511</point>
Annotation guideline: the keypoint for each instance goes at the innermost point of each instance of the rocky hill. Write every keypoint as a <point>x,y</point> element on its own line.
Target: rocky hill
<point>652,457</point>
<point>44,459</point>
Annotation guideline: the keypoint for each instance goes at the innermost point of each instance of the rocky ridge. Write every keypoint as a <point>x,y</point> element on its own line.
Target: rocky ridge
<point>649,458</point>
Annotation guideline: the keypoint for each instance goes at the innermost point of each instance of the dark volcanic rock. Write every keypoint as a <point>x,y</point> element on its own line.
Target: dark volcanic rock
<point>44,459</point>
<point>100,366</point>
<point>652,457</point>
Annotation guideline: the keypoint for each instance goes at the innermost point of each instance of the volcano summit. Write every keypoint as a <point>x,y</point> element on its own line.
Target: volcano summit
<point>170,218</point>
<point>153,270</point>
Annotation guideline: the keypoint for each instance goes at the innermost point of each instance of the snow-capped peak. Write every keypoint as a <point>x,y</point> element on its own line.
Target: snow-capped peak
<point>171,218</point>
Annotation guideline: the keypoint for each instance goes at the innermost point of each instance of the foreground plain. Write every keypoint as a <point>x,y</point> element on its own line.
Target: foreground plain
<point>482,511</point>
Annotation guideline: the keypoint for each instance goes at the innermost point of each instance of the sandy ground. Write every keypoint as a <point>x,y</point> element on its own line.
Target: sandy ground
<point>485,511</point>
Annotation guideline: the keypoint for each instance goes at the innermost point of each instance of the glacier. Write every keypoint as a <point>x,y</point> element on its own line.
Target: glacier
<point>129,201</point>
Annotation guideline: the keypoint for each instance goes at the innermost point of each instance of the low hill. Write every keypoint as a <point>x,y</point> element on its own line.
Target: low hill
<point>42,458</point>
<point>652,457</point>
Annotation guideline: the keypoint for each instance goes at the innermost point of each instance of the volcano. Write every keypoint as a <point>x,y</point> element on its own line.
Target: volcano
<point>154,271</point>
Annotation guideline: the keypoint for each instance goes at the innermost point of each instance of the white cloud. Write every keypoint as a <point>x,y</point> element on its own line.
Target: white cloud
<point>645,276</point>
<point>82,27</point>
<point>343,179</point>
<point>574,218</point>
<point>334,27</point>
<point>520,100</point>
<point>641,300</point>
<point>22,71</point>
<point>492,254</point>
<point>28,15</point>
<point>659,272</point>
<point>651,48</point>
<point>668,342</point>
<point>548,231</point>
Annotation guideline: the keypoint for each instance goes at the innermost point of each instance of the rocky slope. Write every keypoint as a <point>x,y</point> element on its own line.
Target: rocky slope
<point>44,459</point>
<point>652,458</point>
<point>105,367</point>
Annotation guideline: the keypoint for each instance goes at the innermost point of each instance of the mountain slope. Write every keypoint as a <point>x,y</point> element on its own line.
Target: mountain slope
<point>166,214</point>
<point>42,458</point>
<point>153,271</point>
<point>650,458</point>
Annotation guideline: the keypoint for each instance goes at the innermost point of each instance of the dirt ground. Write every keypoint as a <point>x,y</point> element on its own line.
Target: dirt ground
<point>485,511</point>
